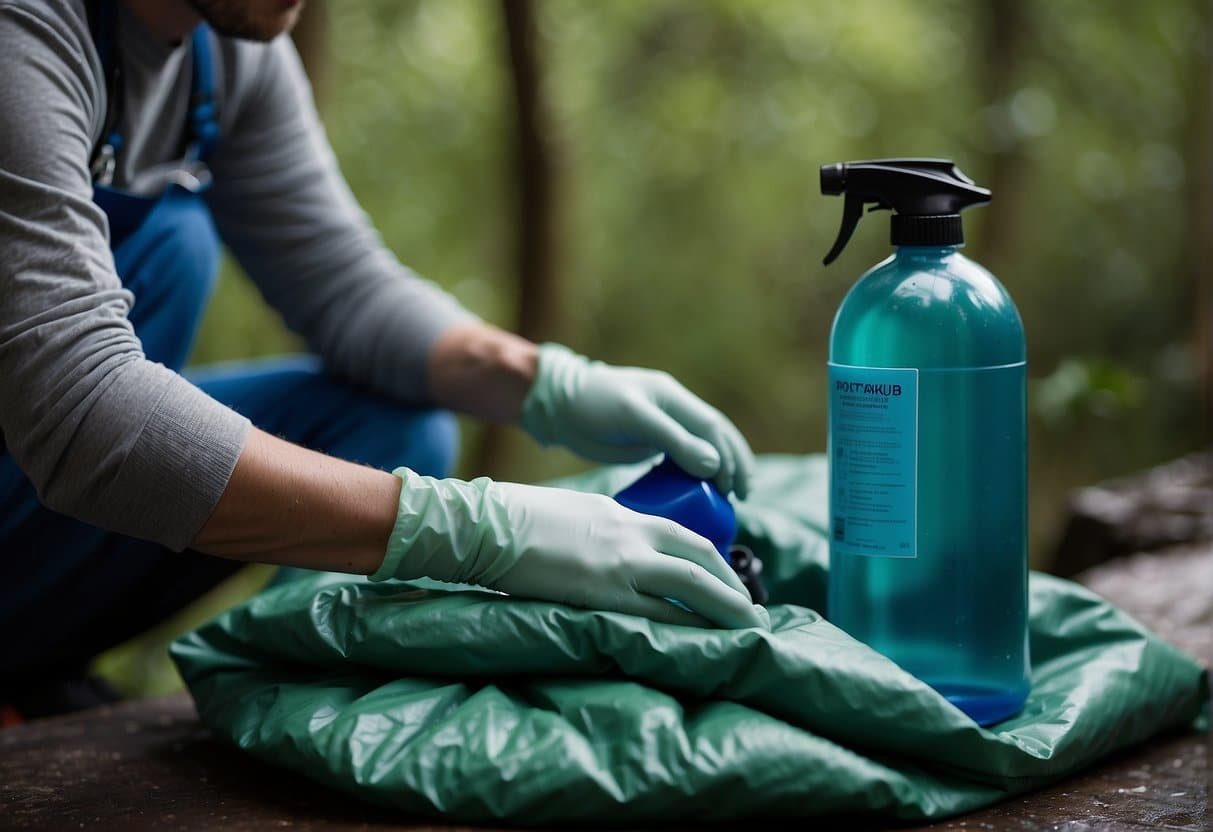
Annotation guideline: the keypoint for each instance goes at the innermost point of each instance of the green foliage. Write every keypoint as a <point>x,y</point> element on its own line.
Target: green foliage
<point>1078,388</point>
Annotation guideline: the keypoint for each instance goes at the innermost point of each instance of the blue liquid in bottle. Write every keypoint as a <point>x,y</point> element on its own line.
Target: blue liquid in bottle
<point>928,556</point>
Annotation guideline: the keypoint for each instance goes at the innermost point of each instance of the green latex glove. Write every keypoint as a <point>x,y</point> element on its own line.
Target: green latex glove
<point>628,414</point>
<point>585,550</point>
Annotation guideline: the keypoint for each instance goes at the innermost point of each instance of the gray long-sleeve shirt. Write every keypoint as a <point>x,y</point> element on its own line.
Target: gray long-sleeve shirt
<point>104,434</point>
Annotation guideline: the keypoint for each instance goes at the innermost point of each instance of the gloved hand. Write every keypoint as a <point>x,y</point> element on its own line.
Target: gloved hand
<point>585,550</point>
<point>628,414</point>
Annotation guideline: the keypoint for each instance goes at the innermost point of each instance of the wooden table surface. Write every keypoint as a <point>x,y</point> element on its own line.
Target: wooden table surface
<point>151,765</point>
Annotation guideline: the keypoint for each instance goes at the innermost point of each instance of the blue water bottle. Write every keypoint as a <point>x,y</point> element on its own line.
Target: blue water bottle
<point>927,445</point>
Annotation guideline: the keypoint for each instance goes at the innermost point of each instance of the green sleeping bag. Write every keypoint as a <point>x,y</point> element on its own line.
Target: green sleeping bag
<point>472,706</point>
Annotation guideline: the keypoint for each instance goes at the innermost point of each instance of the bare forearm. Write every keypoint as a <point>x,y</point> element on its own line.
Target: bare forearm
<point>482,371</point>
<point>287,505</point>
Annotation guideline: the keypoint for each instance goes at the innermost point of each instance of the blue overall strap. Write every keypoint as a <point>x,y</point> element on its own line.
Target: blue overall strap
<point>204,115</point>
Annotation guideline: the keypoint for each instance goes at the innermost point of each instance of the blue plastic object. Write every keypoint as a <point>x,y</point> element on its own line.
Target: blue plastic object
<point>928,482</point>
<point>668,491</point>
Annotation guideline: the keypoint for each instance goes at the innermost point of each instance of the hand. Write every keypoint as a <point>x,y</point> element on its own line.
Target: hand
<point>628,414</point>
<point>585,550</point>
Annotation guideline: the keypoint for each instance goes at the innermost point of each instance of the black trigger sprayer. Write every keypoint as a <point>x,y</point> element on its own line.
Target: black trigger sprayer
<point>925,195</point>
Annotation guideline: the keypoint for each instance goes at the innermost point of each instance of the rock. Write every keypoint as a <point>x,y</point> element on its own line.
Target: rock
<point>1163,507</point>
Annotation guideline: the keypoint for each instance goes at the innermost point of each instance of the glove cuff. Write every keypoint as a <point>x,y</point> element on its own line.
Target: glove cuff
<point>404,530</point>
<point>555,377</point>
<point>448,530</point>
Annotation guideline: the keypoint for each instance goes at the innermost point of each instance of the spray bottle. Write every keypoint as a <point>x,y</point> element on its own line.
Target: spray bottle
<point>927,445</point>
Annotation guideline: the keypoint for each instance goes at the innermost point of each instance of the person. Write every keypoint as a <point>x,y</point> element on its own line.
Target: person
<point>134,136</point>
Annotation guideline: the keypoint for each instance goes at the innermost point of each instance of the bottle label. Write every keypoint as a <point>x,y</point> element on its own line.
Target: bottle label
<point>873,461</point>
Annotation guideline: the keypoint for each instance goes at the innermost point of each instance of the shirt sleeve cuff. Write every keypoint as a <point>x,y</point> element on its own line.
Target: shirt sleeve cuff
<point>180,465</point>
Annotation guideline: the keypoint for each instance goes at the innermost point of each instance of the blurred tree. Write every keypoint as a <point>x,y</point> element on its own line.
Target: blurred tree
<point>533,189</point>
<point>1200,219</point>
<point>1005,34</point>
<point>311,39</point>
<point>532,177</point>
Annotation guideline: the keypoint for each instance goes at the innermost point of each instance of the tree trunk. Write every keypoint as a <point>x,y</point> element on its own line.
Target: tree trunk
<point>311,39</point>
<point>532,182</point>
<point>532,176</point>
<point>1200,215</point>
<point>1004,33</point>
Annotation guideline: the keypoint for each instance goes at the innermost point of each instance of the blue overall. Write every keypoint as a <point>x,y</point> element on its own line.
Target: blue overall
<point>69,590</point>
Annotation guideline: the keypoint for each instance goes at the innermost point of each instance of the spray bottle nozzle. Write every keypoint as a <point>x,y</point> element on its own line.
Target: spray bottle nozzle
<point>925,195</point>
<point>833,179</point>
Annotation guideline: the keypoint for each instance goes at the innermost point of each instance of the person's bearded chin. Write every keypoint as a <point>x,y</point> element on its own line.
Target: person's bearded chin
<point>261,20</point>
